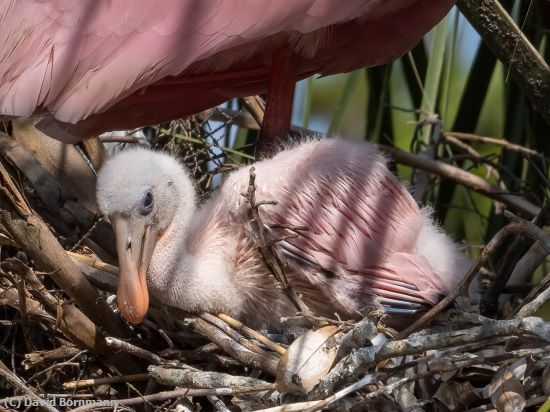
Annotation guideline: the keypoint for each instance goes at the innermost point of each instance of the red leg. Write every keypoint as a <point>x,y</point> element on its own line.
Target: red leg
<point>280,96</point>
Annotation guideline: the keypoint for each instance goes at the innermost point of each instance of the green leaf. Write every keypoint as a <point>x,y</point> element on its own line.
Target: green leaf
<point>349,87</point>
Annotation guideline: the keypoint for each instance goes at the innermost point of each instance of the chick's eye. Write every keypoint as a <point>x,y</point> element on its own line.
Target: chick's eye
<point>146,204</point>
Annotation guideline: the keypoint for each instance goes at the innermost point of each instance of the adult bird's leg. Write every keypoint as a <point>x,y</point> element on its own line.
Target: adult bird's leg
<point>280,96</point>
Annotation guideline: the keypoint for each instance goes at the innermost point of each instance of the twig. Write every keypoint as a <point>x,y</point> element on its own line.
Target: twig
<point>529,262</point>
<point>217,403</point>
<point>517,225</point>
<point>519,247</point>
<point>361,334</point>
<point>491,169</point>
<point>492,140</point>
<point>255,107</point>
<point>134,350</point>
<point>252,333</point>
<point>83,383</point>
<point>23,313</point>
<point>291,407</point>
<point>54,195</point>
<point>35,358</point>
<point>265,245</point>
<point>119,139</point>
<point>94,261</point>
<point>342,393</point>
<point>541,295</point>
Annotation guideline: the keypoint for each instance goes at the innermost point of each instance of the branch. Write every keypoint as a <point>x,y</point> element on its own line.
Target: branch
<point>534,301</point>
<point>509,44</point>
<point>492,140</point>
<point>462,177</point>
<point>204,379</point>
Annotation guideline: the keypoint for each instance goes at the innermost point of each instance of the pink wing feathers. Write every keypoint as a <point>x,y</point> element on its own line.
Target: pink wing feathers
<point>362,229</point>
<point>125,63</point>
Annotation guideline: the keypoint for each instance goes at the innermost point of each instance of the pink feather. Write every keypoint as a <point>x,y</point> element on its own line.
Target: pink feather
<point>125,63</point>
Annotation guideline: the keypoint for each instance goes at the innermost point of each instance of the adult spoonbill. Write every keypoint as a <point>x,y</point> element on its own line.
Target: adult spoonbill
<point>367,244</point>
<point>89,66</point>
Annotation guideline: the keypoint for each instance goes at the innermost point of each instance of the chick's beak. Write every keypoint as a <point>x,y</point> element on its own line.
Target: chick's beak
<point>135,242</point>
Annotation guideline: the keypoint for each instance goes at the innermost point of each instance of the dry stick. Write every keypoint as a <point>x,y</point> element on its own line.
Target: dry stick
<point>35,358</point>
<point>518,248</point>
<point>361,360</point>
<point>492,140</point>
<point>195,379</point>
<point>220,324</point>
<point>517,225</point>
<point>367,380</point>
<point>505,39</point>
<point>23,313</point>
<point>235,349</point>
<point>477,158</point>
<point>162,396</point>
<point>95,152</point>
<point>541,294</point>
<point>256,109</point>
<point>217,403</point>
<point>118,139</point>
<point>527,265</point>
<point>14,381</point>
<point>462,177</point>
<point>362,333</point>
<point>239,326</point>
<point>38,242</point>
<point>265,245</point>
<point>94,262</point>
<point>83,383</point>
<point>134,350</point>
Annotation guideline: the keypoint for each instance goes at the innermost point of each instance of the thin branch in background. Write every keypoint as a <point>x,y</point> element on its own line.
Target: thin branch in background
<point>460,176</point>
<point>492,140</point>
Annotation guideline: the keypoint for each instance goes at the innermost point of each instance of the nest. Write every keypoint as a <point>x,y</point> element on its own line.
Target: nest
<point>64,347</point>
